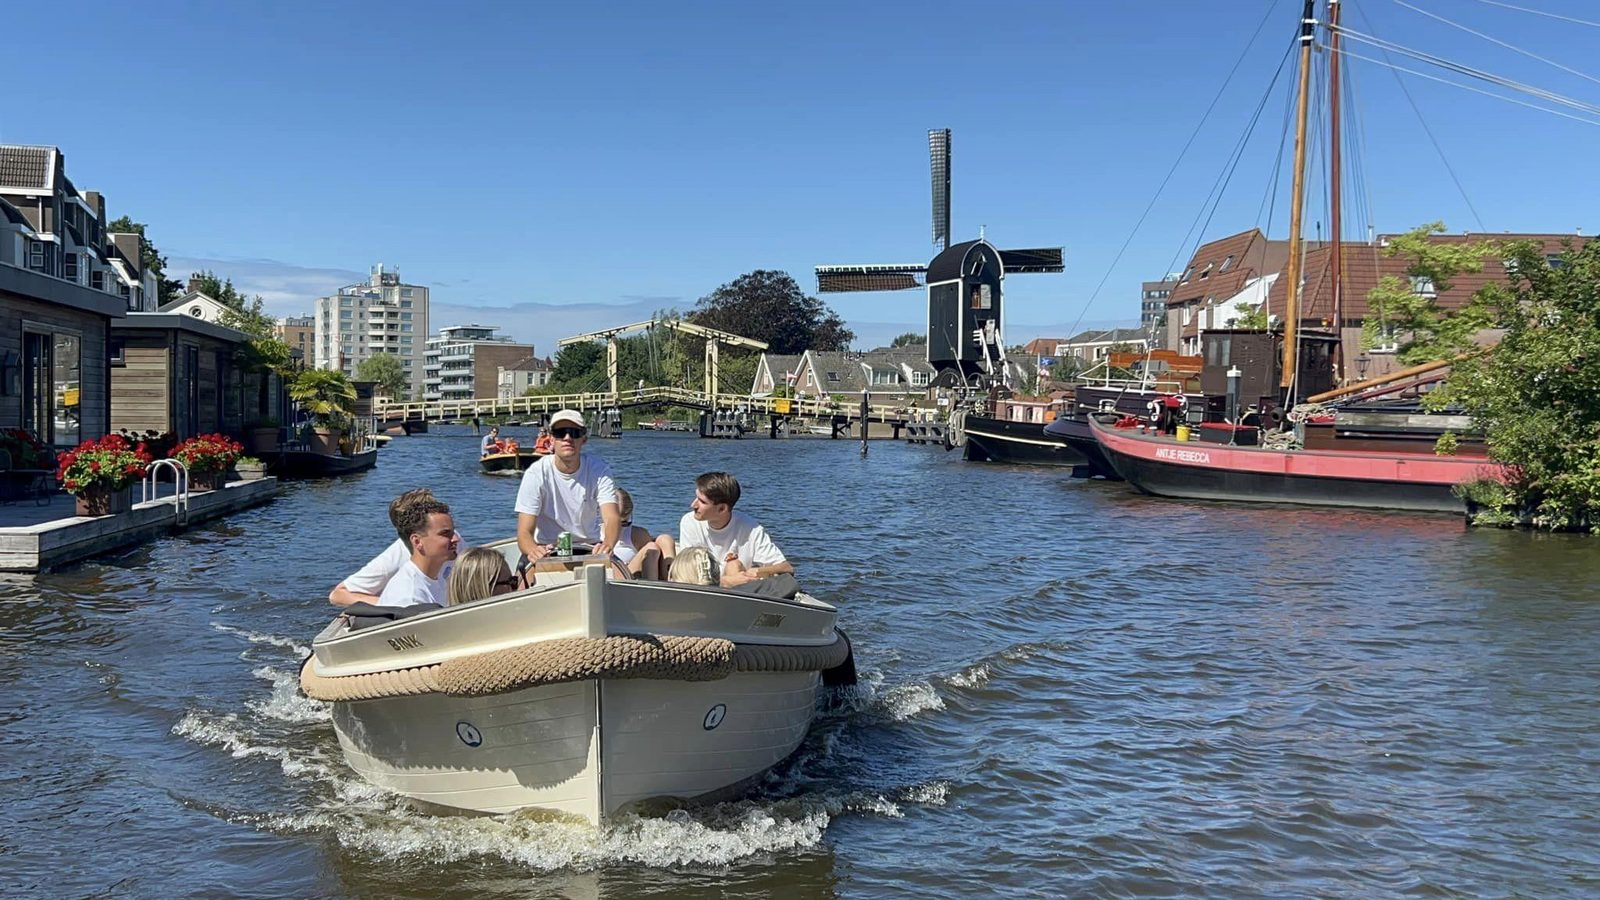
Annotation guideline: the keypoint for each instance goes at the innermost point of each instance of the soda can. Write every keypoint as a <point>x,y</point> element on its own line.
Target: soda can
<point>564,544</point>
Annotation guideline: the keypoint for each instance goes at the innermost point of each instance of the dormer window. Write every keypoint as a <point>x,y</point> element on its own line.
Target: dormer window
<point>1225,264</point>
<point>833,377</point>
<point>1206,272</point>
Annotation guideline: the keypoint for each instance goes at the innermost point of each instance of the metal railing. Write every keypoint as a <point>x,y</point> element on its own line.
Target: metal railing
<point>436,410</point>
<point>180,486</point>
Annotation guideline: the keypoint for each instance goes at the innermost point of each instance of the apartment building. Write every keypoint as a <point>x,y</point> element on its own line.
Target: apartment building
<point>1153,307</point>
<point>463,362</point>
<point>63,278</point>
<point>300,333</point>
<point>379,315</point>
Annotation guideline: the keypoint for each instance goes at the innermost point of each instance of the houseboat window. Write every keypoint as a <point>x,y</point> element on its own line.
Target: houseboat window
<point>67,388</point>
<point>35,381</point>
<point>36,255</point>
<point>69,267</point>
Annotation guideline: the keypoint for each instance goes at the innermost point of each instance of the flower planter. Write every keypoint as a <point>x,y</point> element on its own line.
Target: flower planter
<point>105,501</point>
<point>248,472</point>
<point>261,441</point>
<point>324,440</point>
<point>205,481</point>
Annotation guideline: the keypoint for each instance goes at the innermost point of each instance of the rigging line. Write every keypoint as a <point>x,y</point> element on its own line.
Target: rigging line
<point>1469,71</point>
<point>1540,12</point>
<point>1400,82</point>
<point>1269,198</point>
<point>1271,8</point>
<point>1475,90</point>
<point>1494,40</point>
<point>1214,196</point>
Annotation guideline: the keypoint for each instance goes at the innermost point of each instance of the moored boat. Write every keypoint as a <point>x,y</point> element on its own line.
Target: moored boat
<point>1000,440</point>
<point>581,695</point>
<point>1164,466</point>
<point>311,464</point>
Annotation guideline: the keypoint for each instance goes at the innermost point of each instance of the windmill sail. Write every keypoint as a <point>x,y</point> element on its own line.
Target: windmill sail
<point>939,166</point>
<point>848,279</point>
<point>1034,259</point>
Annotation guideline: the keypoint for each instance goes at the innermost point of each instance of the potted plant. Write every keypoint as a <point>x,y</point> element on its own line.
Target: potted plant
<point>207,457</point>
<point>330,399</point>
<point>250,468</point>
<point>262,436</point>
<point>101,473</point>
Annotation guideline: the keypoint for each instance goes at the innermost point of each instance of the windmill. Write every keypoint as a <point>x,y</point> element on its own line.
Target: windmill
<point>966,343</point>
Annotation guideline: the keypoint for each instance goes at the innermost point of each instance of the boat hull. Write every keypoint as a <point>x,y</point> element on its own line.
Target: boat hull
<point>1165,467</point>
<point>1074,431</point>
<point>590,746</point>
<point>998,440</point>
<point>306,464</point>
<point>548,746</point>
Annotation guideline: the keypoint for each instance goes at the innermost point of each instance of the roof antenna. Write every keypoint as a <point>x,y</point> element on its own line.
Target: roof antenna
<point>981,229</point>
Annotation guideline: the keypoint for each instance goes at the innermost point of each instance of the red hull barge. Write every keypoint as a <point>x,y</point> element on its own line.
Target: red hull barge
<point>1161,465</point>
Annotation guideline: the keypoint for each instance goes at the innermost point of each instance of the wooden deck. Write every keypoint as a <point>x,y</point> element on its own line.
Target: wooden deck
<point>38,538</point>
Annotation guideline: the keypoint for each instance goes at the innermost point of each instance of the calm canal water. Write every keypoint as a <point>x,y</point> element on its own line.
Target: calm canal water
<point>1067,689</point>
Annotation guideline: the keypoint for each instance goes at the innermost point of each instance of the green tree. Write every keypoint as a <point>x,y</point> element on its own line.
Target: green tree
<point>1534,394</point>
<point>149,257</point>
<point>1254,320</point>
<point>1406,311</point>
<point>769,306</point>
<point>907,339</point>
<point>386,370</point>
<point>578,368</point>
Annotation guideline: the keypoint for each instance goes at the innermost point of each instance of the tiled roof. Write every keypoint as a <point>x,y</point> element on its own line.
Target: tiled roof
<point>25,167</point>
<point>530,364</point>
<point>1102,335</point>
<point>1219,270</point>
<point>1364,264</point>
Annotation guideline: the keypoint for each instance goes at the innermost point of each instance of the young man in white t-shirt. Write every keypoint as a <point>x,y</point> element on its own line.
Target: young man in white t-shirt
<point>567,491</point>
<point>738,543</point>
<point>425,526</point>
<point>370,580</point>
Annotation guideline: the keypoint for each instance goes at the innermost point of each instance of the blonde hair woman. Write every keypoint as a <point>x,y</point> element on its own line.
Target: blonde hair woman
<point>645,556</point>
<point>694,565</point>
<point>479,573</point>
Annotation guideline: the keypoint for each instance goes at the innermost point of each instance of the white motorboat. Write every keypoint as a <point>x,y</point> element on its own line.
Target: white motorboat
<point>581,694</point>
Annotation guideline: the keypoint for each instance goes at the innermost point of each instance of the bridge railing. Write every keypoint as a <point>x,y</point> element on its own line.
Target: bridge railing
<point>437,410</point>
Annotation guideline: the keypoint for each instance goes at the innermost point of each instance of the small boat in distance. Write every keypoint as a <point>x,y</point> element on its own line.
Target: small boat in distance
<point>511,459</point>
<point>581,695</point>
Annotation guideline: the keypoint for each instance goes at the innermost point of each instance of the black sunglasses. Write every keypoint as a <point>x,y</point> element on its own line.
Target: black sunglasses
<point>567,433</point>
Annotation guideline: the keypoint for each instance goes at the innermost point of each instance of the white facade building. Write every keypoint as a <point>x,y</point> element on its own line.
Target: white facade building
<point>463,362</point>
<point>380,315</point>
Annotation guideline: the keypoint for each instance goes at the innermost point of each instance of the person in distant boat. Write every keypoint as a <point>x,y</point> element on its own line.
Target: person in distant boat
<point>367,583</point>
<point>694,565</point>
<point>567,491</point>
<point>480,572</point>
<point>430,532</point>
<point>645,556</point>
<point>544,445</point>
<point>732,537</point>
<point>489,440</point>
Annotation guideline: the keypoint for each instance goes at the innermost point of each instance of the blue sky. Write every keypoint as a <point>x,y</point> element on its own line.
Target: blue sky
<point>628,157</point>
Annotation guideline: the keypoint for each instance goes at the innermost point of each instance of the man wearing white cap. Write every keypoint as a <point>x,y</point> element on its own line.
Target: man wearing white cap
<point>567,491</point>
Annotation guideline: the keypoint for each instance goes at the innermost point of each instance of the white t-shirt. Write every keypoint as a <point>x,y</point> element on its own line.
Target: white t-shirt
<point>374,576</point>
<point>566,502</point>
<point>742,536</point>
<point>411,586</point>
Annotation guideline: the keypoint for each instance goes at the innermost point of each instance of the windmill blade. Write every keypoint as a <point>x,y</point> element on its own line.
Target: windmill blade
<point>1033,259</point>
<point>850,279</point>
<point>939,166</point>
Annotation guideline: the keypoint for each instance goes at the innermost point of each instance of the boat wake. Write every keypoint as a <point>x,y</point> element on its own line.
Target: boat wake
<point>831,775</point>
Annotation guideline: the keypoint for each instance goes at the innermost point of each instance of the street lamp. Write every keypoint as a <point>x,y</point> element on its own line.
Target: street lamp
<point>1362,362</point>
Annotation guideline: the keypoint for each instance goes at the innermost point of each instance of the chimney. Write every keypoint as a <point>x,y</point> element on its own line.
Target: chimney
<point>194,283</point>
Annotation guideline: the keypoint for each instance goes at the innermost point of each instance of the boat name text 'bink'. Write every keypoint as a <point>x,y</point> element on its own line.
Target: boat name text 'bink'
<point>405,642</point>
